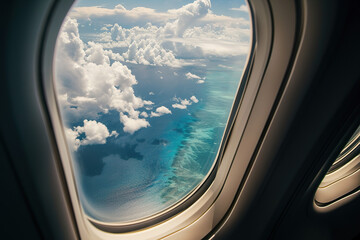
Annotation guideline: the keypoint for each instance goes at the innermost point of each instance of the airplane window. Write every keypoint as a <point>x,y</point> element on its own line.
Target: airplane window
<point>145,89</point>
<point>343,177</point>
<point>351,149</point>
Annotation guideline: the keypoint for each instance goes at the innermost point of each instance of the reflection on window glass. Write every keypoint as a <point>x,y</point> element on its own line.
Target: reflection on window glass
<point>145,90</point>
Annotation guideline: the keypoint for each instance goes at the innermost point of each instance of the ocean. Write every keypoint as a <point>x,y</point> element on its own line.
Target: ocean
<point>135,176</point>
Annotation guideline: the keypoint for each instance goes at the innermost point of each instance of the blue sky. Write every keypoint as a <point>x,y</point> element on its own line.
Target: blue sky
<point>222,7</point>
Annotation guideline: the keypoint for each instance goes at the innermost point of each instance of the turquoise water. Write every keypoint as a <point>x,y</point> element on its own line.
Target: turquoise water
<point>193,154</point>
<point>188,140</point>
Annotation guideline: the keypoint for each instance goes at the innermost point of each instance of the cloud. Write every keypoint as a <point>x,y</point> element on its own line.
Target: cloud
<point>143,46</point>
<point>144,114</point>
<point>187,16</point>
<point>163,110</point>
<point>215,39</point>
<point>242,8</point>
<point>81,100</point>
<point>223,32</point>
<point>189,75</point>
<point>95,133</point>
<point>89,84</point>
<point>177,20</point>
<point>215,46</point>
<point>137,16</point>
<point>118,33</point>
<point>72,139</point>
<point>223,66</point>
<point>174,37</point>
<point>114,56</point>
<point>96,54</point>
<point>182,103</point>
<point>131,125</point>
<point>200,80</point>
<point>179,106</point>
<point>225,20</point>
<point>150,52</point>
<point>194,99</point>
<point>160,111</point>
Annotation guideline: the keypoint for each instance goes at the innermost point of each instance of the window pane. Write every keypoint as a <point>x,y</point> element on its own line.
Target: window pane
<point>145,89</point>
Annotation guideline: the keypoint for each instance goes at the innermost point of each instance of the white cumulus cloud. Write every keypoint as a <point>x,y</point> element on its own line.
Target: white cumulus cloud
<point>160,111</point>
<point>187,16</point>
<point>144,114</point>
<point>200,80</point>
<point>150,52</point>
<point>194,99</point>
<point>189,75</point>
<point>181,103</point>
<point>89,84</point>
<point>95,133</point>
<point>178,105</point>
<point>171,38</point>
<point>96,54</point>
<point>131,125</point>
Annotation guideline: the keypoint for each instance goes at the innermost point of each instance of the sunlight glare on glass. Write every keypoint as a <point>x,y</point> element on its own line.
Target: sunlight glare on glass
<point>145,89</point>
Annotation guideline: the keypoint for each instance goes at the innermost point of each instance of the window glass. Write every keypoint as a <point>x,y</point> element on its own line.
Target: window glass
<point>145,89</point>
